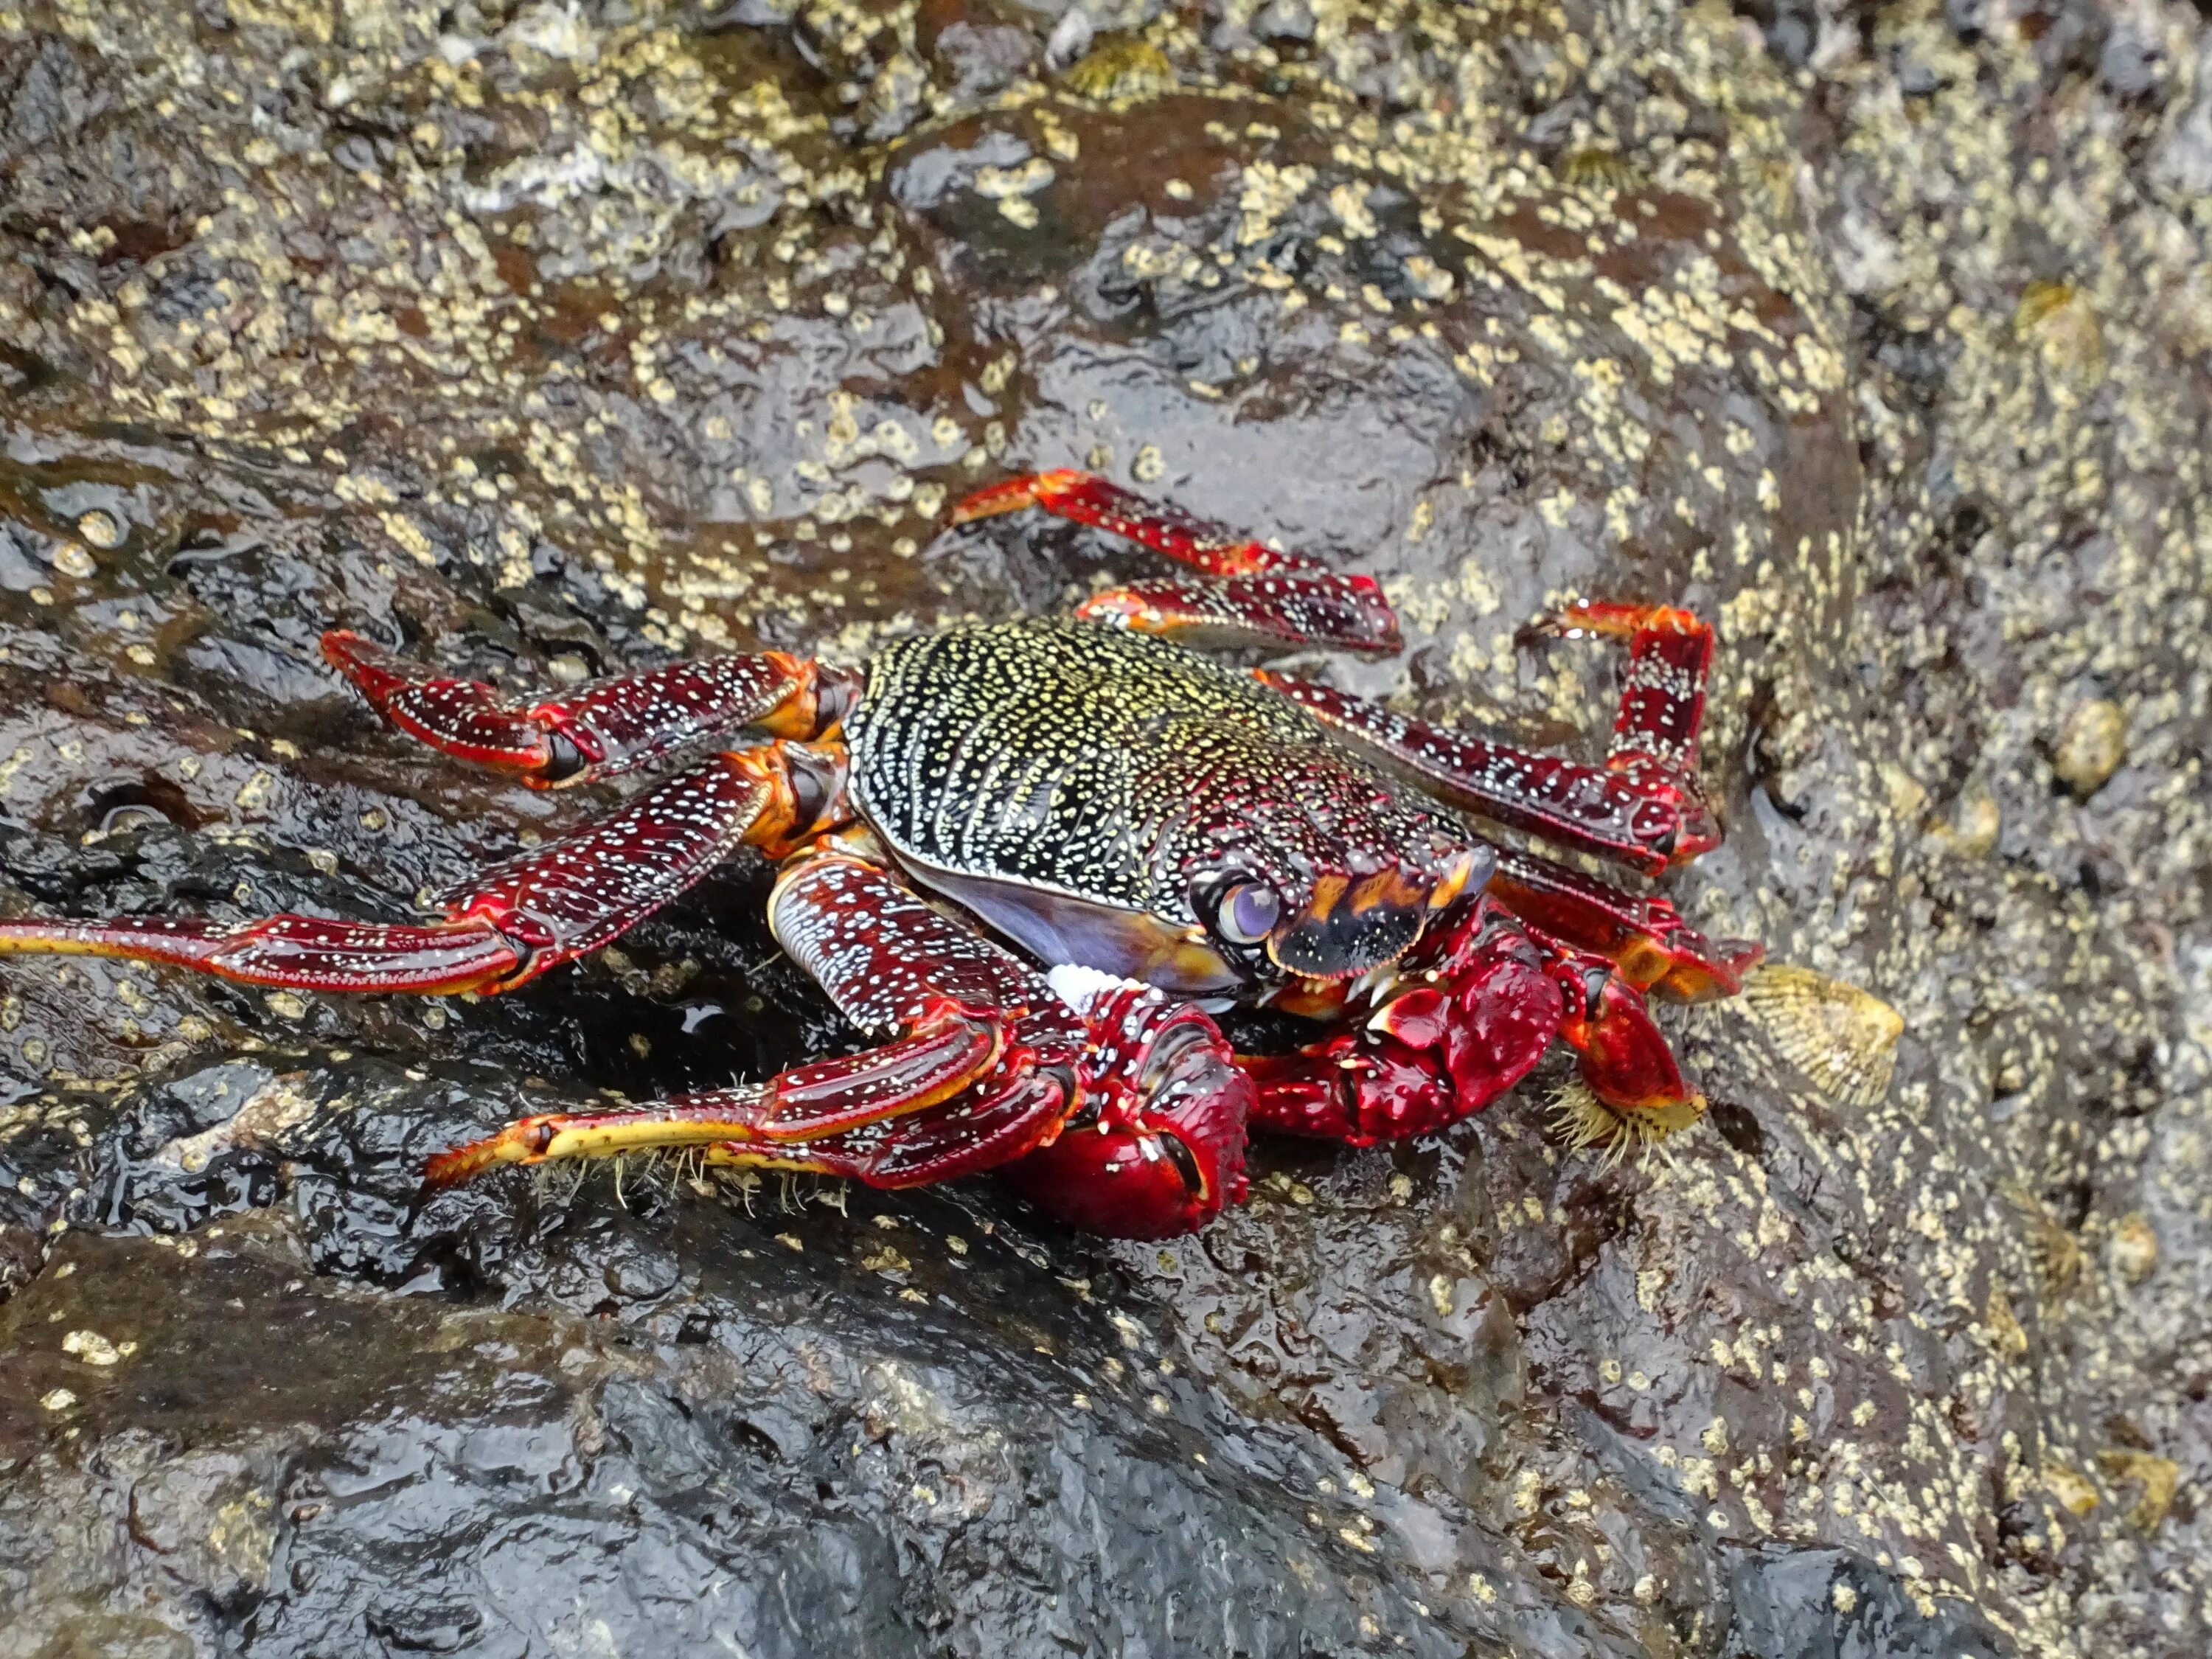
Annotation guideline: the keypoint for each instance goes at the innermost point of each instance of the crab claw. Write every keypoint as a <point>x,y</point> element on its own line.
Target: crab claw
<point>1624,1057</point>
<point>1157,1145</point>
<point>1429,1055</point>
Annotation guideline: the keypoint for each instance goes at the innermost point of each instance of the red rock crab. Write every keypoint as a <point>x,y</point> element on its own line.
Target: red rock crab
<point>1033,856</point>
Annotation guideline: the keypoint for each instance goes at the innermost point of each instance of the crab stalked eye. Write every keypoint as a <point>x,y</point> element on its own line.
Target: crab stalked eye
<point>1248,913</point>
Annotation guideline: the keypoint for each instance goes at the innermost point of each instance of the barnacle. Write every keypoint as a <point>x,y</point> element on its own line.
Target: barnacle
<point>2056,319</point>
<point>1841,1038</point>
<point>2157,1477</point>
<point>1596,168</point>
<point>1121,68</point>
<point>1583,1120</point>
<point>2053,1247</point>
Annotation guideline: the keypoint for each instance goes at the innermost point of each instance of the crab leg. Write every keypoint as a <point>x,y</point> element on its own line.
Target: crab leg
<point>1630,810</point>
<point>991,1061</point>
<point>508,924</point>
<point>893,1116</point>
<point>604,729</point>
<point>1644,936</point>
<point>1246,593</point>
<point>1663,695</point>
<point>1213,548</point>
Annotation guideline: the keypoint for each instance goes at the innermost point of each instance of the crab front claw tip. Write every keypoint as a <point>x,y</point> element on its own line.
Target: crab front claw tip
<point>1165,1153</point>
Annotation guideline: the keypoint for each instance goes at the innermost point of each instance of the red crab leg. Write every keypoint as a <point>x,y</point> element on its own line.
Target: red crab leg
<point>991,1062</point>
<point>1663,695</point>
<point>1255,594</point>
<point>606,728</point>
<point>508,924</point>
<point>1628,812</point>
<point>845,1117</point>
<point>1203,545</point>
<point>1644,936</point>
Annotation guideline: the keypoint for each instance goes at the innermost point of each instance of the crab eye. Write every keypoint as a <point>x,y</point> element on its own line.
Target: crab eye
<point>1248,913</point>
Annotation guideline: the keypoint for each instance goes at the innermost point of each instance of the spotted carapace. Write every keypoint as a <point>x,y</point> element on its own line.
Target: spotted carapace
<point>1035,857</point>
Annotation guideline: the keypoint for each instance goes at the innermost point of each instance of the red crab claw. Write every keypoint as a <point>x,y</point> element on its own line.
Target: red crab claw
<point>1157,1147</point>
<point>1625,1057</point>
<point>1428,1057</point>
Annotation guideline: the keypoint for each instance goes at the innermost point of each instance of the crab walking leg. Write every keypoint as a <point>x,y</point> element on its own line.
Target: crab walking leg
<point>1644,936</point>
<point>1632,814</point>
<point>992,1060</point>
<point>1213,548</point>
<point>1347,611</point>
<point>604,729</point>
<point>508,924</point>
<point>1245,594</point>
<point>835,1109</point>
<point>1663,697</point>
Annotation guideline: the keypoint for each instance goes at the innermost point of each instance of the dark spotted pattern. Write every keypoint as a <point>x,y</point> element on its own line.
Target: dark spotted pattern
<point>606,728</point>
<point>311,953</point>
<point>1201,544</point>
<point>884,956</point>
<point>1118,768</point>
<point>1347,611</point>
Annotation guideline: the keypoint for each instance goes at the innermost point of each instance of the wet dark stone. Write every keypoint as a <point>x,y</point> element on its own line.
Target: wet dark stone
<point>1830,1604</point>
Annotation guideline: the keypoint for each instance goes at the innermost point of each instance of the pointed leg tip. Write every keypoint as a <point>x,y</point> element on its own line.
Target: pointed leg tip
<point>512,1144</point>
<point>1572,622</point>
<point>1029,490</point>
<point>344,649</point>
<point>1603,619</point>
<point>452,1168</point>
<point>1739,956</point>
<point>375,671</point>
<point>1010,496</point>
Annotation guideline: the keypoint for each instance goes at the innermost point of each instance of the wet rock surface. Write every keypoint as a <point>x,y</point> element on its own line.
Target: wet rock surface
<point>546,341</point>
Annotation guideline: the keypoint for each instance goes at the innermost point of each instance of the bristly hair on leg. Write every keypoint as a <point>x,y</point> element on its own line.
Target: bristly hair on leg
<point>555,1186</point>
<point>691,1172</point>
<point>558,1183</point>
<point>744,1182</point>
<point>1582,1121</point>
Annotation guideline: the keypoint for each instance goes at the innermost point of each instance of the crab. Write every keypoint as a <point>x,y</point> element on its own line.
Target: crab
<point>1033,859</point>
